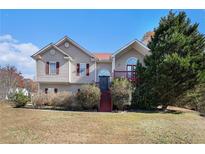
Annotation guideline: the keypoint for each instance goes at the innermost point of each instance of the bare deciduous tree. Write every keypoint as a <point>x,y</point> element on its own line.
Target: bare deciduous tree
<point>10,78</point>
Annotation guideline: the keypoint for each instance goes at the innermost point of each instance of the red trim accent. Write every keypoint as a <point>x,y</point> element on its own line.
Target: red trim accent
<point>130,75</point>
<point>78,69</point>
<point>87,69</point>
<point>47,68</point>
<point>57,67</point>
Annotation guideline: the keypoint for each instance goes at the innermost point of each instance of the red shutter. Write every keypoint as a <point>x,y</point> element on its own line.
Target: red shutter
<point>57,67</point>
<point>87,69</point>
<point>78,69</point>
<point>47,68</point>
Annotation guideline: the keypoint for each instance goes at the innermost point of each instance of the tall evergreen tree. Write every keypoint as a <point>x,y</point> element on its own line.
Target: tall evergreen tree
<point>176,61</point>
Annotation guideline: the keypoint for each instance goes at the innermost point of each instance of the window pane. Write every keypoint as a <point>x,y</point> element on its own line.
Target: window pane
<point>129,74</point>
<point>104,72</point>
<point>52,68</point>
<point>129,68</point>
<point>132,61</point>
<point>82,69</point>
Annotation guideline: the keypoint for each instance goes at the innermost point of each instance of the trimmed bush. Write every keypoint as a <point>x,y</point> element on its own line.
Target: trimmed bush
<point>63,100</point>
<point>66,100</point>
<point>121,92</point>
<point>89,96</point>
<point>20,99</point>
<point>41,99</point>
<point>74,104</point>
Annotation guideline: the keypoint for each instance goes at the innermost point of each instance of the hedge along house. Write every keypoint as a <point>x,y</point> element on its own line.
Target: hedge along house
<point>65,65</point>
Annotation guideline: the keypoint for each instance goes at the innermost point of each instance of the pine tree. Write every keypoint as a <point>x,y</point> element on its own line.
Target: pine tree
<point>176,61</point>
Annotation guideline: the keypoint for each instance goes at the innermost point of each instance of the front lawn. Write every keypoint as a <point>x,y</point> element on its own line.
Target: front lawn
<point>45,126</point>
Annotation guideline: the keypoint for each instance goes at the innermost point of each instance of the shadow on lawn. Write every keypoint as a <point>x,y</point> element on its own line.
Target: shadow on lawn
<point>51,108</point>
<point>172,111</point>
<point>114,111</point>
<point>202,115</point>
<point>158,111</point>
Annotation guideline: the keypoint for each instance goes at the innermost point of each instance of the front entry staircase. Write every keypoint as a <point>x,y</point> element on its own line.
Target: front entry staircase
<point>105,102</point>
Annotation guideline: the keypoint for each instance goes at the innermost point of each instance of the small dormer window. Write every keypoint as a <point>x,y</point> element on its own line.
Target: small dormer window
<point>66,44</point>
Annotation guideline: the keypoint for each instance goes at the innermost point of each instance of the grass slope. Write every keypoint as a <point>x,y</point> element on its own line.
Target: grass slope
<point>40,126</point>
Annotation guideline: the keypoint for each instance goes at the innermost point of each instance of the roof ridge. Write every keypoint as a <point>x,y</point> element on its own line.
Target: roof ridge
<point>102,53</point>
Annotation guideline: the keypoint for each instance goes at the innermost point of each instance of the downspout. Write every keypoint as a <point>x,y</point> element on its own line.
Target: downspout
<point>95,72</point>
<point>113,66</point>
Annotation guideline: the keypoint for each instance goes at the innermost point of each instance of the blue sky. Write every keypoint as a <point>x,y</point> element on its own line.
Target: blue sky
<point>96,30</point>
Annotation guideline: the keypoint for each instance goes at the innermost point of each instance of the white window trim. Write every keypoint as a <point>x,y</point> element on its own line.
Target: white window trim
<point>104,69</point>
<point>82,75</point>
<point>130,58</point>
<point>127,62</point>
<point>50,68</point>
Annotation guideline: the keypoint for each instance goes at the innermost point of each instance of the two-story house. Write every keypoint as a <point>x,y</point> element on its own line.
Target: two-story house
<point>65,65</point>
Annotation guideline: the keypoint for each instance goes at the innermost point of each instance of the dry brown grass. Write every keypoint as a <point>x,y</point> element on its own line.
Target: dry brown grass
<point>41,126</point>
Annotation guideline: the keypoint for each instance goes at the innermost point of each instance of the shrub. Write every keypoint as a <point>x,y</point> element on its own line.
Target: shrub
<point>41,99</point>
<point>20,99</point>
<point>194,98</point>
<point>63,100</point>
<point>74,104</point>
<point>60,99</point>
<point>121,92</point>
<point>89,96</point>
<point>202,107</point>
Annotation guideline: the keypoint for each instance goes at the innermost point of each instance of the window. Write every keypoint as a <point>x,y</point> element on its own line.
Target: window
<point>131,66</point>
<point>46,90</point>
<point>132,61</point>
<point>104,72</point>
<point>55,90</point>
<point>82,69</point>
<point>52,68</point>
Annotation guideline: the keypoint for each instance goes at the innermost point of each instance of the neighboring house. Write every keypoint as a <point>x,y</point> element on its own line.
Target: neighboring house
<point>65,65</point>
<point>16,90</point>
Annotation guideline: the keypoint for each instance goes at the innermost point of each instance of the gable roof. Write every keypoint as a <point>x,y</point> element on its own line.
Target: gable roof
<point>47,47</point>
<point>129,44</point>
<point>76,44</point>
<point>99,56</point>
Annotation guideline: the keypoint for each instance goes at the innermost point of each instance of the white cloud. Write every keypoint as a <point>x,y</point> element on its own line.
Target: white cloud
<point>7,38</point>
<point>18,54</point>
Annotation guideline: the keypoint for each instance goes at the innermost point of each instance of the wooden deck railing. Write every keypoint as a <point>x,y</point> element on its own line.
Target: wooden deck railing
<point>130,75</point>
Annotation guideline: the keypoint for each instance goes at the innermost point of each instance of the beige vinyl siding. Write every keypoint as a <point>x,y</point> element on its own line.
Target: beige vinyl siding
<point>121,59</point>
<point>103,65</point>
<point>63,69</point>
<point>79,56</point>
<point>71,88</point>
